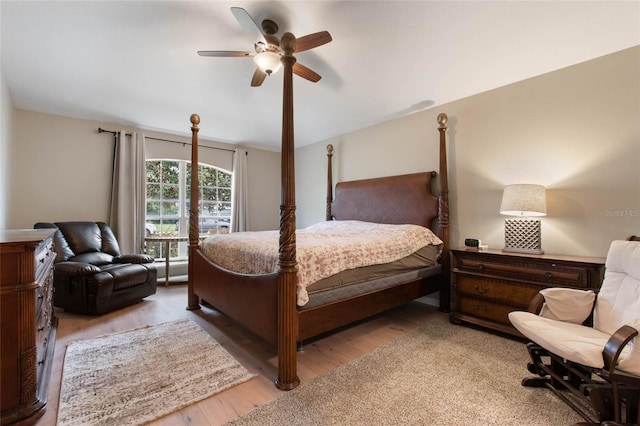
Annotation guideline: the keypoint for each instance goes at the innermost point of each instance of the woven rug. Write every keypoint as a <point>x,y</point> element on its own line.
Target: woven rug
<point>136,376</point>
<point>438,374</point>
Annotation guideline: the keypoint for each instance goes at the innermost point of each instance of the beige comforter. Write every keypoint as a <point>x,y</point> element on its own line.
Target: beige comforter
<point>322,250</point>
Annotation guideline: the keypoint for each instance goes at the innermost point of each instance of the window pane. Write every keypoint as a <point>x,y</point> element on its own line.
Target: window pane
<point>207,176</point>
<point>153,209</point>
<point>171,192</point>
<point>153,191</point>
<point>169,227</point>
<point>224,179</point>
<point>209,194</point>
<point>170,172</point>
<point>224,194</point>
<point>153,171</point>
<point>170,208</point>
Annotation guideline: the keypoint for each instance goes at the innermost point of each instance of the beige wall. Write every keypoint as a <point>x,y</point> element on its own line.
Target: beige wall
<point>6,131</point>
<point>62,171</point>
<point>576,131</point>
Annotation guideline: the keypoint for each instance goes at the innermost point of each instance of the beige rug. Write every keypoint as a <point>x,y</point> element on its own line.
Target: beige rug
<point>439,374</point>
<point>136,376</point>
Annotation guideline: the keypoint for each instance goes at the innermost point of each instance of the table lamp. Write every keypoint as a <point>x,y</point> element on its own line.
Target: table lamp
<point>522,234</point>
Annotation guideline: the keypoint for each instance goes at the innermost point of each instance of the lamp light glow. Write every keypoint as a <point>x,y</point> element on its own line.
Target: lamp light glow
<point>268,62</point>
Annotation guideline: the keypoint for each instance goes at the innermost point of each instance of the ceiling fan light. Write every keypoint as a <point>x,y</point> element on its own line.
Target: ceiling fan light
<point>268,62</point>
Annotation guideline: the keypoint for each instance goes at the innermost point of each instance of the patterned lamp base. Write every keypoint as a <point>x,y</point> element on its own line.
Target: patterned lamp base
<point>522,236</point>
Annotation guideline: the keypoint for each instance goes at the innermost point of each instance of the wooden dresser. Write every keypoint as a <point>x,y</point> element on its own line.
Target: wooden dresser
<point>27,321</point>
<point>487,285</point>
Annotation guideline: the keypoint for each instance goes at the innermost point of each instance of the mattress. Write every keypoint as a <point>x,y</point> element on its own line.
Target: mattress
<point>353,282</point>
<point>330,253</point>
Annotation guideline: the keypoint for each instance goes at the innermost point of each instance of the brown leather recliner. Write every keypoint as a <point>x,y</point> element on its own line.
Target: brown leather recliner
<point>90,274</point>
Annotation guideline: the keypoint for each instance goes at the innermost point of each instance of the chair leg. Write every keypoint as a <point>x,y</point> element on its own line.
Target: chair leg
<point>535,353</point>
<point>601,398</point>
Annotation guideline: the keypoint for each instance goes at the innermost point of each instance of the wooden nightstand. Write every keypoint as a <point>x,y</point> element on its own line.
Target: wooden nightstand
<point>487,285</point>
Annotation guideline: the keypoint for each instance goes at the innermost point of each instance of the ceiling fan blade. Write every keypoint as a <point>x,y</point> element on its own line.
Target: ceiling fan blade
<point>258,77</point>
<point>248,24</point>
<point>305,72</point>
<point>223,53</point>
<point>312,40</point>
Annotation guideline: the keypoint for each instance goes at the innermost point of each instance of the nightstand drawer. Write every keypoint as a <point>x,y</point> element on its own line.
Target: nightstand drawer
<point>485,309</point>
<point>545,272</point>
<point>515,294</point>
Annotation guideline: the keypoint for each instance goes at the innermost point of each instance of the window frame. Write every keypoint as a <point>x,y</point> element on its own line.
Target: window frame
<point>221,201</point>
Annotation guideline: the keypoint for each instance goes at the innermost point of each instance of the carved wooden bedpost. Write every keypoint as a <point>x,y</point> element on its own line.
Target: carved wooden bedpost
<point>287,273</point>
<point>192,299</point>
<point>329,181</point>
<point>443,216</point>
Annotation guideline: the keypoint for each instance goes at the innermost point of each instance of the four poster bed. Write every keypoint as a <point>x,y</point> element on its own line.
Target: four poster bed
<point>271,302</point>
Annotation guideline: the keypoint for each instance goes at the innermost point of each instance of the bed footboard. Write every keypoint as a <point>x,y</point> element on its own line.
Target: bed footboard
<point>250,300</point>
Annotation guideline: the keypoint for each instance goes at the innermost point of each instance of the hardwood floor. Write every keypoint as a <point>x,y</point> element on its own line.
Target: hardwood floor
<point>169,303</point>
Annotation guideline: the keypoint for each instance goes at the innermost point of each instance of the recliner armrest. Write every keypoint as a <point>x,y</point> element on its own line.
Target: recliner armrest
<point>76,269</point>
<point>133,258</point>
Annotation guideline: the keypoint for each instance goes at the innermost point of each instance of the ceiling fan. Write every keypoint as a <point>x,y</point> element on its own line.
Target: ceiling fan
<point>267,48</point>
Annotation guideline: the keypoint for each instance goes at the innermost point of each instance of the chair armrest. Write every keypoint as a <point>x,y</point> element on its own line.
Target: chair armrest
<point>535,306</point>
<point>133,258</point>
<point>75,269</point>
<point>615,345</point>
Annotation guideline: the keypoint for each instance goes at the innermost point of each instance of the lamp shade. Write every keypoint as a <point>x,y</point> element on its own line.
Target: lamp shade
<point>268,62</point>
<point>524,200</point>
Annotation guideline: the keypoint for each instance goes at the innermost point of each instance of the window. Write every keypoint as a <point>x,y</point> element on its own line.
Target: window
<point>168,186</point>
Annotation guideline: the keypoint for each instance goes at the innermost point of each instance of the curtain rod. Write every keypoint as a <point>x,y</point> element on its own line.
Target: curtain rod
<point>101,130</point>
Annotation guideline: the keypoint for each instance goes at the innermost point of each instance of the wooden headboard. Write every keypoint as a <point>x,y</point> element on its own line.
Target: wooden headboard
<point>398,199</point>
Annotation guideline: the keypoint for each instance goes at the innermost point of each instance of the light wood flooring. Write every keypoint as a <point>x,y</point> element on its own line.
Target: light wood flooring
<point>169,303</point>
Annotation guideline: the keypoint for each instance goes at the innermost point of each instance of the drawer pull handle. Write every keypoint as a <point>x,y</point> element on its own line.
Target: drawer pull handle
<point>41,329</point>
<point>548,275</point>
<point>481,290</point>
<point>42,260</point>
<point>482,308</point>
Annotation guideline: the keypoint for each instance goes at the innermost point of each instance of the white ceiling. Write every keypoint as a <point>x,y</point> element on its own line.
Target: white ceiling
<point>134,63</point>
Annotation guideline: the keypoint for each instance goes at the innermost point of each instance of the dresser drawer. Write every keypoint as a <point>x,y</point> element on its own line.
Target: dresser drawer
<point>44,291</point>
<point>485,309</point>
<point>44,257</point>
<point>515,294</point>
<point>530,270</point>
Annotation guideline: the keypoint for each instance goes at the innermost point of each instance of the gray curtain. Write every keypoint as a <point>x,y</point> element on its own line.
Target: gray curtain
<point>128,195</point>
<point>239,197</point>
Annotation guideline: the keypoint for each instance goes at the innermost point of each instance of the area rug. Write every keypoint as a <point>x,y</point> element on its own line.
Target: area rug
<point>439,374</point>
<point>136,376</point>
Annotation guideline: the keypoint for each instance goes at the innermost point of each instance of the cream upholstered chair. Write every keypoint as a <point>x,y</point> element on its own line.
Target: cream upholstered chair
<point>584,346</point>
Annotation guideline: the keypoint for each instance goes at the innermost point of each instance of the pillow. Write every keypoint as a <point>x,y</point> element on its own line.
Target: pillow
<point>567,304</point>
